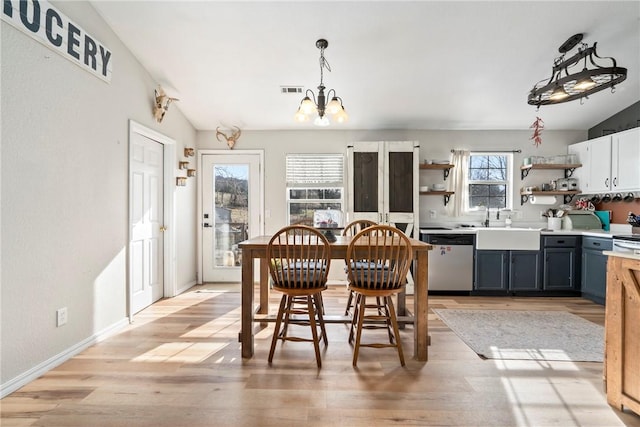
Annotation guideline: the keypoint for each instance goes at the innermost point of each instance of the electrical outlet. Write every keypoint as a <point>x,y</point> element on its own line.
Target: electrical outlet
<point>61,316</point>
<point>432,214</point>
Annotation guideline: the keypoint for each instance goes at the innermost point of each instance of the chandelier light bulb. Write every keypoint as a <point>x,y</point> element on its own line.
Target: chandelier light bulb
<point>308,106</point>
<point>341,116</point>
<point>321,121</point>
<point>584,84</point>
<point>334,106</point>
<point>558,94</point>
<point>300,116</point>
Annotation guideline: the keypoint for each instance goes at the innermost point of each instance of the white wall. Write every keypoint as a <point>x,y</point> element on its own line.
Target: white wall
<point>433,145</point>
<point>65,193</point>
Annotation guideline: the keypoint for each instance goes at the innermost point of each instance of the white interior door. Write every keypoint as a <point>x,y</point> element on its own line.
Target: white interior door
<point>231,211</point>
<point>147,222</point>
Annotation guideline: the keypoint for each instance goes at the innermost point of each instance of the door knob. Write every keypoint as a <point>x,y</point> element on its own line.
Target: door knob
<point>206,224</point>
<point>163,228</point>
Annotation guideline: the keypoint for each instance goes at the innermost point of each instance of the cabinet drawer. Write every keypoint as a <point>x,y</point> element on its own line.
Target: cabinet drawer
<point>599,243</point>
<point>560,241</point>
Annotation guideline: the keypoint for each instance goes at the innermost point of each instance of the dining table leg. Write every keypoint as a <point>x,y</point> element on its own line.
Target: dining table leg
<point>421,308</point>
<point>264,287</point>
<point>246,327</point>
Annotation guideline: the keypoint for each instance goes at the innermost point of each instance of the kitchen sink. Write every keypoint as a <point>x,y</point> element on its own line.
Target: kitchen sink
<point>503,238</point>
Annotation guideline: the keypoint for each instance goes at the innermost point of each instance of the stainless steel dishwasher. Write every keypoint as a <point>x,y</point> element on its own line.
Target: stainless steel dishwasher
<point>450,262</point>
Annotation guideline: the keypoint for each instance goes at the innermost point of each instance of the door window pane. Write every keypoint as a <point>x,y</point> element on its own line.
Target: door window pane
<point>231,222</point>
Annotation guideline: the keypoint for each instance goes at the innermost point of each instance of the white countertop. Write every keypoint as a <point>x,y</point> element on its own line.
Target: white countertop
<point>472,230</point>
<point>622,255</point>
<point>616,229</point>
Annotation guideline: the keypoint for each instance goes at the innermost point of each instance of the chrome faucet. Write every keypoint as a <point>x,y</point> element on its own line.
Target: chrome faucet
<point>486,221</point>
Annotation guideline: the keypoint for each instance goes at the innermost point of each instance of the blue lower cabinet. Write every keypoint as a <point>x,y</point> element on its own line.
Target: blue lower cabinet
<point>491,270</point>
<point>594,268</point>
<point>525,271</point>
<point>507,271</point>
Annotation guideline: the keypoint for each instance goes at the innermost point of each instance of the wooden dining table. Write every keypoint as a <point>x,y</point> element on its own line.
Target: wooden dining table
<point>256,249</point>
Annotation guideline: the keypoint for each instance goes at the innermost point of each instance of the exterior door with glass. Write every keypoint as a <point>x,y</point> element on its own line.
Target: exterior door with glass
<point>231,210</point>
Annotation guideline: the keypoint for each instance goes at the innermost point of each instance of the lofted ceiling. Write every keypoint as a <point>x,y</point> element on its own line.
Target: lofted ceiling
<point>395,64</point>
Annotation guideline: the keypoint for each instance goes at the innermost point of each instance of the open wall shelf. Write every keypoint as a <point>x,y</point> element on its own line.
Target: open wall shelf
<point>567,195</point>
<point>568,169</point>
<point>445,194</point>
<point>444,168</point>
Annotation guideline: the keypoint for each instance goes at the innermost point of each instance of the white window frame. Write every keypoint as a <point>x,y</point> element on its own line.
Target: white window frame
<point>508,183</point>
<point>314,171</point>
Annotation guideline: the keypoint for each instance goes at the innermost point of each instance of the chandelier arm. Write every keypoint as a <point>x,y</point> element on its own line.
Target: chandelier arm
<point>313,96</point>
<point>613,60</point>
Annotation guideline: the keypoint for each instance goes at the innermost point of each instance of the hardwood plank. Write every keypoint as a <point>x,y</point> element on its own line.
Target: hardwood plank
<point>179,363</point>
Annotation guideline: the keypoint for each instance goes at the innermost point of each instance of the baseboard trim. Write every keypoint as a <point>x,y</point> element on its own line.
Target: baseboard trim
<point>186,287</point>
<point>44,367</point>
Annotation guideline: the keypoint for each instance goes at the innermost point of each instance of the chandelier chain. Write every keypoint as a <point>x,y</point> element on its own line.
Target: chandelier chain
<point>323,64</point>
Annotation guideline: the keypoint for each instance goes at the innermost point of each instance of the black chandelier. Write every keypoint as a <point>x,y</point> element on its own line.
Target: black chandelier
<point>563,86</point>
<point>318,105</point>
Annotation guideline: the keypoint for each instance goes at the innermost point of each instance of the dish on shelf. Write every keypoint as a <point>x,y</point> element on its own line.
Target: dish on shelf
<point>438,187</point>
<point>424,188</point>
<point>441,162</point>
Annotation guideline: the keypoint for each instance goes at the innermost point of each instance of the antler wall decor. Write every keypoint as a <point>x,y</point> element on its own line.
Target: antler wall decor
<point>231,140</point>
<point>162,104</point>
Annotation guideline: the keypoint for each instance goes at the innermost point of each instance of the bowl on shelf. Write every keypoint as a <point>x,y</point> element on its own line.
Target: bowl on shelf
<point>438,187</point>
<point>424,188</point>
<point>441,162</point>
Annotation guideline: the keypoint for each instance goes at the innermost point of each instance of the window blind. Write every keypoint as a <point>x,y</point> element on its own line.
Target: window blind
<point>324,170</point>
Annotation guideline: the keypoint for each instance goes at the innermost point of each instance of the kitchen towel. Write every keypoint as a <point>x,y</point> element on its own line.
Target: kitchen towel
<point>542,200</point>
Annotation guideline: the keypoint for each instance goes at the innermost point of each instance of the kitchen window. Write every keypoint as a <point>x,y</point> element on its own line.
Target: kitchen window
<point>490,180</point>
<point>314,182</point>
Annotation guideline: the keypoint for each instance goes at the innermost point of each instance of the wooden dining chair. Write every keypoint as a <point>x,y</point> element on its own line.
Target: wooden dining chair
<point>299,258</point>
<point>351,229</point>
<point>388,255</point>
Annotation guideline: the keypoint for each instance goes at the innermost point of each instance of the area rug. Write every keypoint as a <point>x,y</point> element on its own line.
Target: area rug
<point>527,335</point>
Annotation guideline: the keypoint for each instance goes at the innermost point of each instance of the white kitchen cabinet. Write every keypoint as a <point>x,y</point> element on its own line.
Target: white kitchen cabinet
<point>625,166</point>
<point>599,180</point>
<point>383,183</point>
<point>582,173</point>
<point>609,163</point>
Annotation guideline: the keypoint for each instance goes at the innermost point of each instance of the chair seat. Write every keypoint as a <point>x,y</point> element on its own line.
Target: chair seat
<point>372,292</point>
<point>374,279</point>
<point>299,291</point>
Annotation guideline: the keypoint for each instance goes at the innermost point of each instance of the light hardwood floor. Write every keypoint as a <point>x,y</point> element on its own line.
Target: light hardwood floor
<point>179,364</point>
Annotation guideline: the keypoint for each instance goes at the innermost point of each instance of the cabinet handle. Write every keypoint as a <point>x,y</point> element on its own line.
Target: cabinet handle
<point>606,182</point>
<point>596,244</point>
<point>615,181</point>
<point>560,241</point>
